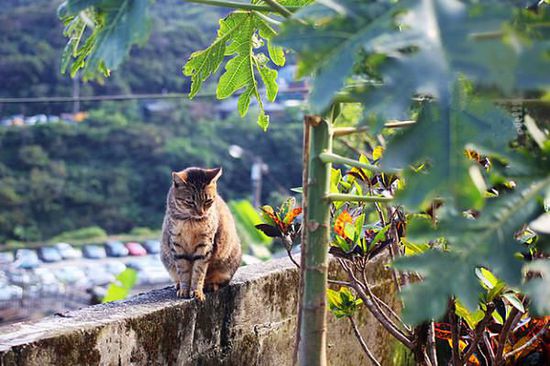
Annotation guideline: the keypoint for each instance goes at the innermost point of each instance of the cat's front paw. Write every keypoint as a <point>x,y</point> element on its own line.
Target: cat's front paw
<point>182,291</point>
<point>198,294</point>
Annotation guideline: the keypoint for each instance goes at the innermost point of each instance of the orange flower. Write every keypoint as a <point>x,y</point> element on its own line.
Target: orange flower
<point>340,223</point>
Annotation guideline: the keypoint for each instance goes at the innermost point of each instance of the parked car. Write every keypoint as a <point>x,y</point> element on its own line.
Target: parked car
<point>136,249</point>
<point>71,275</point>
<point>6,258</point>
<point>115,248</point>
<point>99,278</point>
<point>49,254</point>
<point>93,252</point>
<point>152,246</point>
<point>10,293</point>
<point>114,267</point>
<point>26,259</point>
<point>138,264</point>
<point>67,251</point>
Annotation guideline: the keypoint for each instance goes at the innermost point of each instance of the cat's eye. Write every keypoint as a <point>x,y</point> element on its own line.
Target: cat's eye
<point>209,201</point>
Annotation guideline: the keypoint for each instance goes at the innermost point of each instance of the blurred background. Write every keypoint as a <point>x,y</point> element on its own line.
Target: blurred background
<point>83,182</point>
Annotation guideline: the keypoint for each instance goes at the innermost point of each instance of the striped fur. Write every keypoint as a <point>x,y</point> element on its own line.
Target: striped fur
<point>200,247</point>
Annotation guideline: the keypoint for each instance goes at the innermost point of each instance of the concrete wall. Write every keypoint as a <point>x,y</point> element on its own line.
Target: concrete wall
<point>250,322</point>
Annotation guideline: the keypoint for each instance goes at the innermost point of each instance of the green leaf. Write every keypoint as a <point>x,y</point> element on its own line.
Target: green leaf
<point>342,303</point>
<point>127,278</point>
<point>514,301</point>
<point>117,26</point>
<point>450,129</point>
<point>239,36</point>
<point>120,289</point>
<point>486,242</point>
<point>471,318</point>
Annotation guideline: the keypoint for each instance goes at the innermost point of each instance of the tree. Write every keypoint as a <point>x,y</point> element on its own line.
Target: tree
<point>466,195</point>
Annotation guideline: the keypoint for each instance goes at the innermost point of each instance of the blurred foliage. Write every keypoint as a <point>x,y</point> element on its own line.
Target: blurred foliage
<point>120,289</point>
<point>92,233</point>
<point>32,42</point>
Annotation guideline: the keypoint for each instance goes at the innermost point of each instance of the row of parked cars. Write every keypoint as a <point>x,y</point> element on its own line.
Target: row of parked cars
<point>30,258</point>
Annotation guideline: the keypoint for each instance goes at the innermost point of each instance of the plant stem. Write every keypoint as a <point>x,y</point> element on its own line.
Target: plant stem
<point>345,131</point>
<point>454,333</point>
<point>355,198</point>
<point>504,333</point>
<point>328,157</point>
<point>362,342</point>
<point>487,344</point>
<point>358,287</point>
<point>273,4</point>
<point>266,18</point>
<point>243,6</point>
<point>312,347</point>
<point>478,332</point>
<point>305,177</point>
<point>432,351</point>
<point>539,334</point>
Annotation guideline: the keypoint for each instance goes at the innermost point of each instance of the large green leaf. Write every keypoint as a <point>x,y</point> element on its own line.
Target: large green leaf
<point>115,26</point>
<point>427,44</point>
<point>239,36</point>
<point>484,242</point>
<point>439,138</point>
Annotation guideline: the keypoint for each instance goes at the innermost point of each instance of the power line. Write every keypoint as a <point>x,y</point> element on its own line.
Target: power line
<point>96,98</point>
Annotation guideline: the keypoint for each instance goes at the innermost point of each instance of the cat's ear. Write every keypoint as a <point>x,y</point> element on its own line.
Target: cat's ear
<point>179,178</point>
<point>214,174</point>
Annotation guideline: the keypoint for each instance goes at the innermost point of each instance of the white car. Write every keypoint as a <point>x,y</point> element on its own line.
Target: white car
<point>67,251</point>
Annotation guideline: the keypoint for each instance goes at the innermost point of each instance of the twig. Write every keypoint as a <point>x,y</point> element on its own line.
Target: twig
<point>377,303</point>
<point>454,333</point>
<point>341,283</point>
<point>373,309</point>
<point>362,342</point>
<point>292,258</point>
<point>278,8</point>
<point>244,6</point>
<point>478,332</point>
<point>487,344</point>
<point>528,343</point>
<point>432,352</point>
<point>504,333</point>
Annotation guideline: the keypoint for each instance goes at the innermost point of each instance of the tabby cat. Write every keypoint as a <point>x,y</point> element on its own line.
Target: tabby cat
<point>200,247</point>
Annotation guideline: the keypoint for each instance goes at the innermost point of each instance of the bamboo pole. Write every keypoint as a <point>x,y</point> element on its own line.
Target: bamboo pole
<point>312,346</point>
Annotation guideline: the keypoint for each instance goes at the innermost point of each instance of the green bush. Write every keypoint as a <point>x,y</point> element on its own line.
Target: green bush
<point>87,233</point>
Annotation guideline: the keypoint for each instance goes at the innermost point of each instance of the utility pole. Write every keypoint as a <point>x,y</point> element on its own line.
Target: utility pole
<point>76,93</point>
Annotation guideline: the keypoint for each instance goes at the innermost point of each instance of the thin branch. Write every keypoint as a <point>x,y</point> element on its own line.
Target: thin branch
<point>292,258</point>
<point>478,332</point>
<point>362,342</point>
<point>267,19</point>
<point>340,283</point>
<point>432,352</point>
<point>278,8</point>
<point>377,302</point>
<point>504,333</point>
<point>327,157</point>
<point>487,344</point>
<point>528,343</point>
<point>356,198</point>
<point>244,6</point>
<point>372,308</point>
<point>454,333</point>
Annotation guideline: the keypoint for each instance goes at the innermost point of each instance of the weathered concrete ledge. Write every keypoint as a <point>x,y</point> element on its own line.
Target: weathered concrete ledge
<point>250,322</point>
